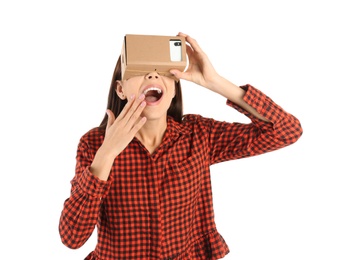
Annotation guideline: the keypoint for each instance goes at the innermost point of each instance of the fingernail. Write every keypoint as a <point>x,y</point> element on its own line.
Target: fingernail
<point>143,104</point>
<point>141,97</point>
<point>132,96</point>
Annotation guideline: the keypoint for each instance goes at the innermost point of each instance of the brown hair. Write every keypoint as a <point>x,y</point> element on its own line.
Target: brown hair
<point>116,105</point>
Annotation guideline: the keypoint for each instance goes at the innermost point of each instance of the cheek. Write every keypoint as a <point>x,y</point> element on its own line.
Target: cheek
<point>128,91</point>
<point>131,87</point>
<point>170,85</point>
<point>170,97</point>
<point>171,93</point>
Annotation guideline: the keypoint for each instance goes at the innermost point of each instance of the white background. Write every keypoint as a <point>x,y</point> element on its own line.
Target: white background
<point>57,59</point>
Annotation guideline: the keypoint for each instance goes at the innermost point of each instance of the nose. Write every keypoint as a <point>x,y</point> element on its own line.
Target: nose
<point>152,75</point>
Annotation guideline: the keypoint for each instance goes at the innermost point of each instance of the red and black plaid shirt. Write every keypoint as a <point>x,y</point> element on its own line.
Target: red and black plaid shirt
<point>159,206</point>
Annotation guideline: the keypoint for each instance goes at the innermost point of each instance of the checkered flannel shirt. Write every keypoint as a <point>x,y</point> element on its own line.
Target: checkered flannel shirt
<point>159,206</point>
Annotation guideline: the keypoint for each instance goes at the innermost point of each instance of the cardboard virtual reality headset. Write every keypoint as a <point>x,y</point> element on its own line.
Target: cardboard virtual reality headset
<point>142,54</point>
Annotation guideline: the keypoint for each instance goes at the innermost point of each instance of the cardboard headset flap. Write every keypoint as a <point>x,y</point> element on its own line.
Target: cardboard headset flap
<point>142,54</point>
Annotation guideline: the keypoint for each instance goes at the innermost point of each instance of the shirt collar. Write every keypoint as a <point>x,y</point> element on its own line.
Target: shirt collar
<point>175,129</point>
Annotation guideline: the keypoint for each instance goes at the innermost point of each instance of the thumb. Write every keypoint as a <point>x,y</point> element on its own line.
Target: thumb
<point>176,73</point>
<point>110,118</point>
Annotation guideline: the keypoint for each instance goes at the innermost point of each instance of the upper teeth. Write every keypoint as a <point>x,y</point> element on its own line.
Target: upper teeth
<point>153,88</point>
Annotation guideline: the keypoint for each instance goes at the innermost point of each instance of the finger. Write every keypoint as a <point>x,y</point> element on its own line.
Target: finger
<point>130,114</point>
<point>182,34</point>
<point>189,40</point>
<point>126,107</point>
<point>135,116</point>
<point>190,51</point>
<point>110,118</point>
<point>193,43</point>
<point>138,126</point>
<point>177,73</point>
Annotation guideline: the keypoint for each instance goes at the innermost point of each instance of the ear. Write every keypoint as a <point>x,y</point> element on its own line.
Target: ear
<point>119,90</point>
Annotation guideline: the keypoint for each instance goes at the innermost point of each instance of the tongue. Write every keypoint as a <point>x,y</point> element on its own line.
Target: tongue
<point>151,99</point>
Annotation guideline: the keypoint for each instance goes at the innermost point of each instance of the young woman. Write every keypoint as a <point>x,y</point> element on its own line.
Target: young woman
<point>142,177</point>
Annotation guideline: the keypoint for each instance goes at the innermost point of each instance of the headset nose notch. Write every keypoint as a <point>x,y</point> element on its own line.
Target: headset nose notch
<point>152,75</point>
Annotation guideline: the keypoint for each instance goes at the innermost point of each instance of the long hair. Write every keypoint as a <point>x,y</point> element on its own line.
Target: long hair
<point>116,105</point>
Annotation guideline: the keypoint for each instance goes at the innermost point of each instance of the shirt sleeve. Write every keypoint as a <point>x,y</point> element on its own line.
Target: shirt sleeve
<point>81,210</point>
<point>228,141</point>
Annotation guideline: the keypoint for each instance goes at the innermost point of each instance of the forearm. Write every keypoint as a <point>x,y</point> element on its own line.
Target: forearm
<point>102,164</point>
<point>78,218</point>
<point>233,93</point>
<point>236,140</point>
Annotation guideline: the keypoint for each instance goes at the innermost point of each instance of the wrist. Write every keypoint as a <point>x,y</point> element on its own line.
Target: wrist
<point>106,153</point>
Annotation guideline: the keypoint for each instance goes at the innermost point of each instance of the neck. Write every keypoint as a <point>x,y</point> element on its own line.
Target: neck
<point>151,134</point>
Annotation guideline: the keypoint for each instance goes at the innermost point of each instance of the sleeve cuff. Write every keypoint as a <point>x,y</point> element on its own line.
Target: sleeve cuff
<point>92,185</point>
<point>253,97</point>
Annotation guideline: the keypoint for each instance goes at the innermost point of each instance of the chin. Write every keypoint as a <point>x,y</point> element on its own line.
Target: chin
<point>156,114</point>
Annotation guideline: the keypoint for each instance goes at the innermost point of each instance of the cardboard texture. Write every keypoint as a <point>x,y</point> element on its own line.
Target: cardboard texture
<point>142,54</point>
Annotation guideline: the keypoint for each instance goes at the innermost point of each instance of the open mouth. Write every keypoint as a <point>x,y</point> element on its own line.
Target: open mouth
<point>153,94</point>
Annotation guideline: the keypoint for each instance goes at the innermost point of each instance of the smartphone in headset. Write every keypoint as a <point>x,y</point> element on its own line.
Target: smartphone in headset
<point>175,50</point>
